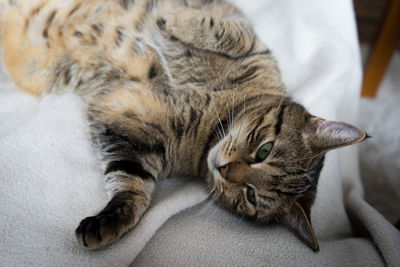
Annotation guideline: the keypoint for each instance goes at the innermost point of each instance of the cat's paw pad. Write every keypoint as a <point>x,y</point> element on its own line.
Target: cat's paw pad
<point>97,231</point>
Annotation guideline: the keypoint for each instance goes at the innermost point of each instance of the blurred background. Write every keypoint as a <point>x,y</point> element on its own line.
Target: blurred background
<point>378,23</point>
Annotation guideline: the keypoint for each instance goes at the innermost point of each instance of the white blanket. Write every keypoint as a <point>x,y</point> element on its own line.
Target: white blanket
<point>50,178</point>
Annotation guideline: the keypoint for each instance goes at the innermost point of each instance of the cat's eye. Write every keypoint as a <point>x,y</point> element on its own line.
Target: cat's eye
<point>264,151</point>
<point>251,195</point>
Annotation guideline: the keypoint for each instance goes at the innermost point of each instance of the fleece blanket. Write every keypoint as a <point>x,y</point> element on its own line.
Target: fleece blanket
<point>50,177</point>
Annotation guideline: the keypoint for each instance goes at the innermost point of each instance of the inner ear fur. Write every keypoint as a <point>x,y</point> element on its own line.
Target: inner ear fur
<point>323,135</point>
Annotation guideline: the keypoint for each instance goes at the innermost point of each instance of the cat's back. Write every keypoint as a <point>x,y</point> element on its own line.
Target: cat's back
<point>40,36</point>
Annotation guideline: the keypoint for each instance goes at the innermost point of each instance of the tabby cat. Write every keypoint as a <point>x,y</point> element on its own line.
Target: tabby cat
<point>174,88</point>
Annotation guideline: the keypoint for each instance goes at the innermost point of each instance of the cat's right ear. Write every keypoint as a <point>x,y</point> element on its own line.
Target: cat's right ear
<point>323,135</point>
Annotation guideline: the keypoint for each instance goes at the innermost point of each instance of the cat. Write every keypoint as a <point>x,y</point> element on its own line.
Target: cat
<point>174,88</point>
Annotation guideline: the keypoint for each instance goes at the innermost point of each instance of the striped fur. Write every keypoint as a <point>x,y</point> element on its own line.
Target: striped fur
<point>174,87</point>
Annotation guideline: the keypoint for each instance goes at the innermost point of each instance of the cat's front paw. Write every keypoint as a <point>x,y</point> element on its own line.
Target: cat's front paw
<point>188,25</point>
<point>98,231</point>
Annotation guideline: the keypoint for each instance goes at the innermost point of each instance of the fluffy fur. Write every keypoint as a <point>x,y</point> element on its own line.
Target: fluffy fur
<point>174,87</point>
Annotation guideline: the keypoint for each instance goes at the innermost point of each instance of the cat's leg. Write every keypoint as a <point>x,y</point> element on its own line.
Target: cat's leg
<point>127,125</point>
<point>133,156</point>
<point>227,35</point>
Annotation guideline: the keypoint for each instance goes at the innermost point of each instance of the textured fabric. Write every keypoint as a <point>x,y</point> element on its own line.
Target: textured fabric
<point>50,177</point>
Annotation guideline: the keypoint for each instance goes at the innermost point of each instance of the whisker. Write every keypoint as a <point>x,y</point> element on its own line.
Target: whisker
<point>228,117</point>
<point>241,123</point>
<point>280,103</point>
<point>233,112</point>
<point>217,132</point>
<point>216,112</point>
<point>211,201</point>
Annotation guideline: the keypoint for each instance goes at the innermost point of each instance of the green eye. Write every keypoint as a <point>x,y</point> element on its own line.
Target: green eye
<point>264,151</point>
<point>251,195</point>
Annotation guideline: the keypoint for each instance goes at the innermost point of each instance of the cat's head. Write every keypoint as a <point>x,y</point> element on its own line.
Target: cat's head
<point>267,165</point>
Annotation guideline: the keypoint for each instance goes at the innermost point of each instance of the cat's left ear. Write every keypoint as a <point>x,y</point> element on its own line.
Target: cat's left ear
<point>299,222</point>
<point>323,135</point>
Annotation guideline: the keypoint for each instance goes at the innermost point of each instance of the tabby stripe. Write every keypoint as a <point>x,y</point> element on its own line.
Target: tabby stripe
<point>192,119</point>
<point>230,43</point>
<point>133,168</point>
<point>250,109</point>
<point>295,173</point>
<point>120,35</point>
<point>80,82</point>
<point>258,136</point>
<point>78,34</point>
<point>240,41</point>
<point>228,38</point>
<point>246,55</point>
<point>98,28</point>
<point>278,125</point>
<point>151,4</point>
<point>114,74</point>
<point>67,76</point>
<point>126,4</point>
<point>219,35</point>
<point>284,193</point>
<point>212,23</point>
<point>301,173</point>
<point>278,177</point>
<point>193,80</point>
<point>300,182</point>
<point>247,76</point>
<point>196,126</point>
<point>36,10</point>
<point>152,72</point>
<point>144,132</point>
<point>253,44</point>
<point>74,10</point>
<point>155,127</point>
<point>248,102</point>
<point>178,127</point>
<point>112,137</point>
<point>250,136</point>
<point>139,148</point>
<point>63,68</point>
<point>48,23</point>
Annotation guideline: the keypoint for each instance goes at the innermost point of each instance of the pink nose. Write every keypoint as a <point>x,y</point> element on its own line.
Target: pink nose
<point>223,170</point>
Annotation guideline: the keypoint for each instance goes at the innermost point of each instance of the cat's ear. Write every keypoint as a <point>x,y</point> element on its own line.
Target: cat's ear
<point>299,222</point>
<point>323,135</point>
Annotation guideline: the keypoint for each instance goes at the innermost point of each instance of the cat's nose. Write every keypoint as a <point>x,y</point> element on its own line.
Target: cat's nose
<point>223,170</point>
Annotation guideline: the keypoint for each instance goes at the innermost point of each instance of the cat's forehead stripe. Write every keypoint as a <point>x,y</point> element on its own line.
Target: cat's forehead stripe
<point>279,121</point>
